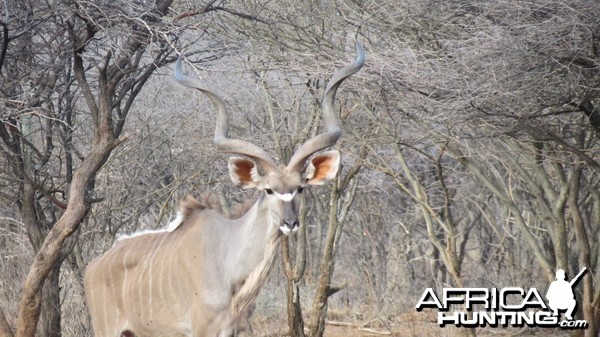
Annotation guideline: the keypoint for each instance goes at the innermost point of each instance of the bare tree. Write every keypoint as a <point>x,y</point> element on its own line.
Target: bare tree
<point>53,57</point>
<point>480,120</point>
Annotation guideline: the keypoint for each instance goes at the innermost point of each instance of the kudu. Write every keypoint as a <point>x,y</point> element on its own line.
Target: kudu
<point>196,277</point>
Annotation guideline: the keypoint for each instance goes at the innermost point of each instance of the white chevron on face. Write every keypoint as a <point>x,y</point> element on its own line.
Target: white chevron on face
<point>287,197</point>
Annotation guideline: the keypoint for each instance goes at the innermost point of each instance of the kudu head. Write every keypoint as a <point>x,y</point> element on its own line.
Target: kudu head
<point>280,184</point>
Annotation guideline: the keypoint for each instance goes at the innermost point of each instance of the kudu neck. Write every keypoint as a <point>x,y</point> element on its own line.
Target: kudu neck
<point>255,238</point>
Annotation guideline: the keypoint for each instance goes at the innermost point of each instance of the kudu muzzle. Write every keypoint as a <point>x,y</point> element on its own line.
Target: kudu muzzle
<point>289,221</point>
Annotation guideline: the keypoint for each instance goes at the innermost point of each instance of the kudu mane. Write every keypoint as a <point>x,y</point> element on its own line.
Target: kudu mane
<point>191,204</point>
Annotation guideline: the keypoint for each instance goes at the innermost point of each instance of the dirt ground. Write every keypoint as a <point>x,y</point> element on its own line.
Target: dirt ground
<point>342,329</point>
<point>408,325</point>
<point>433,330</point>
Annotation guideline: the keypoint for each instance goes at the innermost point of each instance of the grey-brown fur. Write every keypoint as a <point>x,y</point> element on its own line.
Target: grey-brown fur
<point>142,275</point>
<point>197,277</point>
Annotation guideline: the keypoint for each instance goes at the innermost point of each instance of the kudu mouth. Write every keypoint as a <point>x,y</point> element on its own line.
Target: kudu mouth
<point>288,228</point>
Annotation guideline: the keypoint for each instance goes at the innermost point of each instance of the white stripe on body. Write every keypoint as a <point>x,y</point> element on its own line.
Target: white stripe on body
<point>173,225</point>
<point>151,263</point>
<point>123,292</point>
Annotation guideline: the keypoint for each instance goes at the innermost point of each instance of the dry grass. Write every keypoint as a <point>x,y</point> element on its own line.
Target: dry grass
<point>407,324</point>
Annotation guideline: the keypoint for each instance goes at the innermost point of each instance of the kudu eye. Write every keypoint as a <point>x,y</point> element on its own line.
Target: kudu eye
<point>268,191</point>
<point>300,189</point>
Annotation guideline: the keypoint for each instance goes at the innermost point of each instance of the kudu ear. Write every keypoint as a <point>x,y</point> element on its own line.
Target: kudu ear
<point>243,172</point>
<point>322,168</point>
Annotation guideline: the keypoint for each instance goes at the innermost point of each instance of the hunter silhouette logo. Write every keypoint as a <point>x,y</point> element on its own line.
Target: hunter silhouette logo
<point>560,294</point>
<point>509,306</point>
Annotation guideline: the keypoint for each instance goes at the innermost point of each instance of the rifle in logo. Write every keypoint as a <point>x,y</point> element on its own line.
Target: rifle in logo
<point>560,294</point>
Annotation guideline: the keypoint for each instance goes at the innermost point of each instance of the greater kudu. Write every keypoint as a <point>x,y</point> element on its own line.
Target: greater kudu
<point>196,277</point>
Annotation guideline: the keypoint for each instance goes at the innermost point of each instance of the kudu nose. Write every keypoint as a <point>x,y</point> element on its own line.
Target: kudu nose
<point>290,226</point>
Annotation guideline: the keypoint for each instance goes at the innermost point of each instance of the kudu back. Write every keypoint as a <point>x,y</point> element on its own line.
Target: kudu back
<point>196,277</point>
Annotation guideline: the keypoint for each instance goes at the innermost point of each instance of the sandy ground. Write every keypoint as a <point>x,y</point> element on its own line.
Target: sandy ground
<point>409,325</point>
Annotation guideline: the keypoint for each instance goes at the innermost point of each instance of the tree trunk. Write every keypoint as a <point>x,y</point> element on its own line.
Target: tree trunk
<point>294,310</point>
<point>320,304</point>
<point>5,330</point>
<point>584,255</point>
<point>50,315</point>
<point>293,274</point>
<point>49,254</point>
